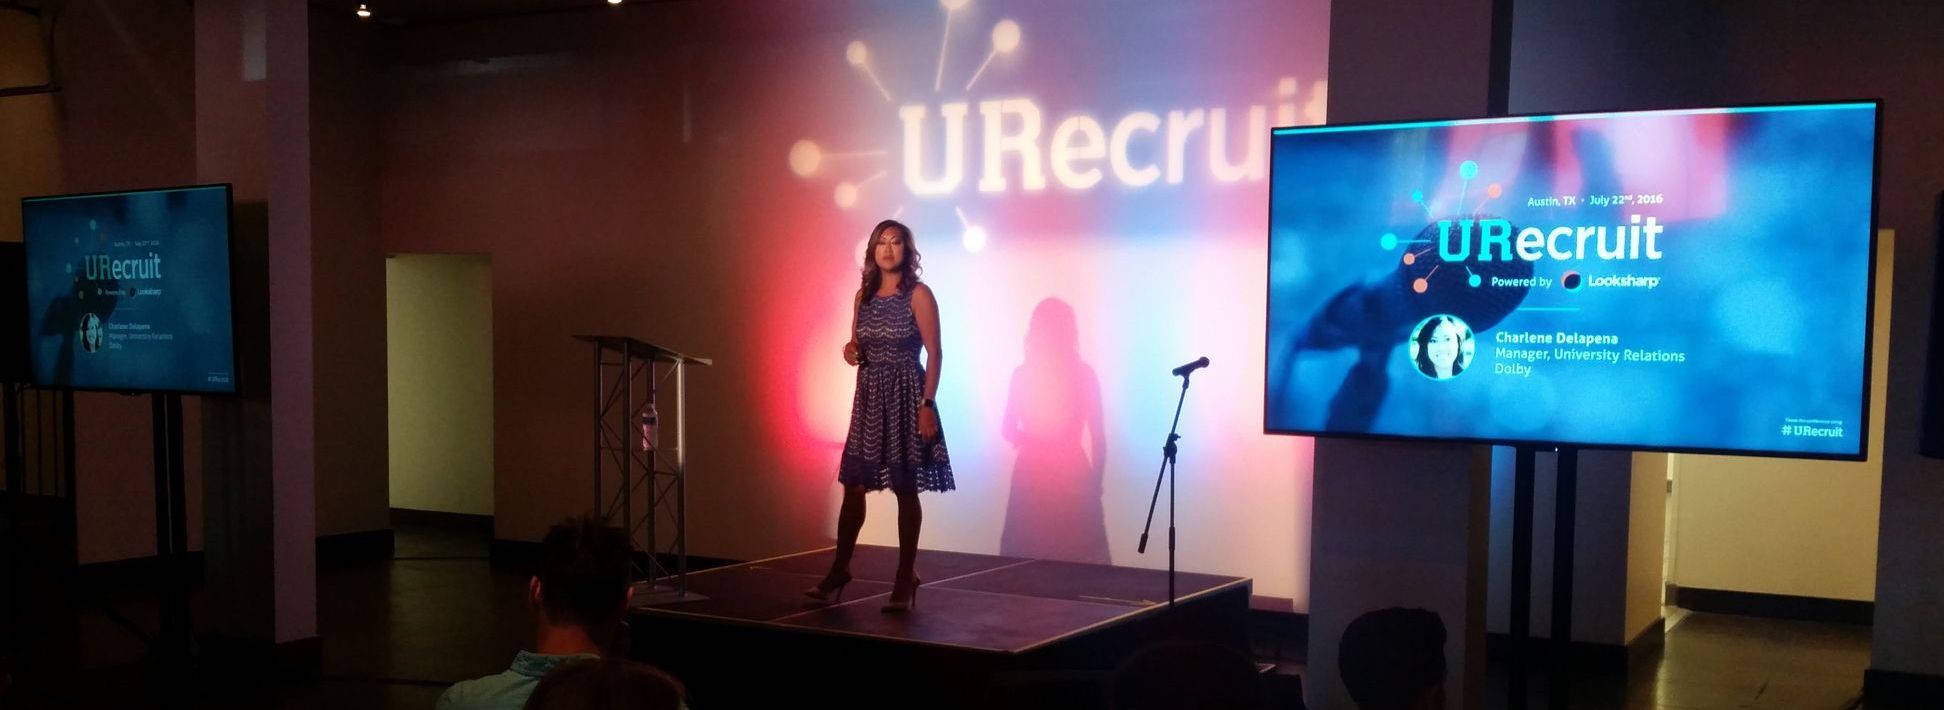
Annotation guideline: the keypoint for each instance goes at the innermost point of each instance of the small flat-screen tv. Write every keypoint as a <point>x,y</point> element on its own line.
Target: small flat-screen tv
<point>130,291</point>
<point>1681,280</point>
<point>13,308</point>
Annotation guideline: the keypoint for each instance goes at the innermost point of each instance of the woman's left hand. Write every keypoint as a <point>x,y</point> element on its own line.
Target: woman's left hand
<point>927,423</point>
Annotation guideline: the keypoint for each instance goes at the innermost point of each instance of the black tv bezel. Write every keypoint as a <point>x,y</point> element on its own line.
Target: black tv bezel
<point>1869,315</point>
<point>229,249</point>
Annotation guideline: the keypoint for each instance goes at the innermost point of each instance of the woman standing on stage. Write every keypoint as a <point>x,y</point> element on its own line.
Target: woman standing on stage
<point>894,440</point>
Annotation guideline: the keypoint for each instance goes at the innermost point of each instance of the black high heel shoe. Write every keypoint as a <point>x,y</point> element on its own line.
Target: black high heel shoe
<point>829,593</point>
<point>910,602</point>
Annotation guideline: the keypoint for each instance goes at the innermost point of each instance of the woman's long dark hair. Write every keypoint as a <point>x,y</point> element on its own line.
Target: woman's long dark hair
<point>908,271</point>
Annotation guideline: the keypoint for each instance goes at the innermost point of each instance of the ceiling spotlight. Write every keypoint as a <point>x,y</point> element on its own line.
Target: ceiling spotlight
<point>614,2</point>
<point>364,12</point>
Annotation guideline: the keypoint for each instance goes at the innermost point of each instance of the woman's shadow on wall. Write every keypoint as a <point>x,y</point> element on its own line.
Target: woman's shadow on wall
<point>1053,419</point>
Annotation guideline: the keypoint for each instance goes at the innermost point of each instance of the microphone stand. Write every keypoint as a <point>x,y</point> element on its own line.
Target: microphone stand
<point>1167,473</point>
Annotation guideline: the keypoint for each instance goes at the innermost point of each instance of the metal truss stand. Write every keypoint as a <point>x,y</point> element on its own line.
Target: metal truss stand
<point>630,463</point>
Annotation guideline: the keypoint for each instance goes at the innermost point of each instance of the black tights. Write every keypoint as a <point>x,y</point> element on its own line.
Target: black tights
<point>850,521</point>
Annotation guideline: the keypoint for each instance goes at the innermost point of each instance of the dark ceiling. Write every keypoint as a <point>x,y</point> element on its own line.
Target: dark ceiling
<point>416,12</point>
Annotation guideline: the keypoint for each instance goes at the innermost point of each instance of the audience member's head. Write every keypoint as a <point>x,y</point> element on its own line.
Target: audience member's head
<point>606,684</point>
<point>1186,674</point>
<point>1393,659</point>
<point>583,579</point>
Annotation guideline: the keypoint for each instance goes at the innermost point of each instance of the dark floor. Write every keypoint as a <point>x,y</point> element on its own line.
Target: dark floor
<point>1724,661</point>
<point>396,632</point>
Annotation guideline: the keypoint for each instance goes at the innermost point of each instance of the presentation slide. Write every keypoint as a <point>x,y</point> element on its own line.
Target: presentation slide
<point>131,291</point>
<point>1661,280</point>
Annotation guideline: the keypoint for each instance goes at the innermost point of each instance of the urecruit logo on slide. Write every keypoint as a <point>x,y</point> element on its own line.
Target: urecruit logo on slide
<point>1138,150</point>
<point>1498,240</point>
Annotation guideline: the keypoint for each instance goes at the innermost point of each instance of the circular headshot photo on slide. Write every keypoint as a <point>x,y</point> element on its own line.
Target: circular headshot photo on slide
<point>90,332</point>
<point>1441,347</point>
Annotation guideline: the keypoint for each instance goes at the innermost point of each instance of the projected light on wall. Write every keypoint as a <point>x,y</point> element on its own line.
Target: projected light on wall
<point>1086,182</point>
<point>807,158</point>
<point>1012,128</point>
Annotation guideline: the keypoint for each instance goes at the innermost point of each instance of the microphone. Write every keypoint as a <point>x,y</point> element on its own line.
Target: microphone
<point>1190,367</point>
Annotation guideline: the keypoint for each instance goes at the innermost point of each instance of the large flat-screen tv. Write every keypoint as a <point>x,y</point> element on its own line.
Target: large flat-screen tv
<point>130,291</point>
<point>1682,280</point>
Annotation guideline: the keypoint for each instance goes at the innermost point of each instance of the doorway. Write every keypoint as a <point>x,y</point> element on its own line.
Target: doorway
<point>439,365</point>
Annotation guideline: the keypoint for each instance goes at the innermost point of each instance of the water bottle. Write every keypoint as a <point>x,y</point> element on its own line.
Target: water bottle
<point>648,428</point>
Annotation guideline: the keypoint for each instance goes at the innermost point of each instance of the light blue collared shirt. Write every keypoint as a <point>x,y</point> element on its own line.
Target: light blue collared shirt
<point>506,690</point>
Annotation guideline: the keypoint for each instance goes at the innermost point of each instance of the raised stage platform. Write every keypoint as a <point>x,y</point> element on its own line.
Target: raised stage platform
<point>983,625</point>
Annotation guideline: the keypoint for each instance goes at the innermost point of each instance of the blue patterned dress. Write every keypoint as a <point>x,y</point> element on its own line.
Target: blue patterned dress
<point>883,449</point>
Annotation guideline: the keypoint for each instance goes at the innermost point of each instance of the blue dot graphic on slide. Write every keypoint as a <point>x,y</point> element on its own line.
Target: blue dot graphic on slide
<point>1388,241</point>
<point>1468,170</point>
<point>1571,280</point>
